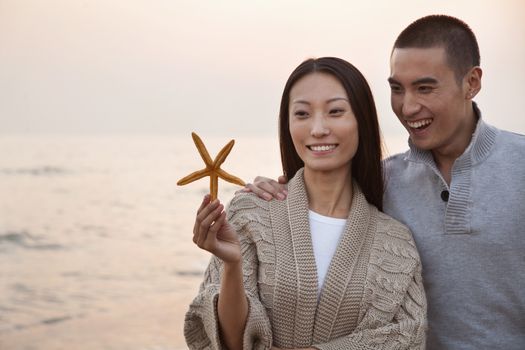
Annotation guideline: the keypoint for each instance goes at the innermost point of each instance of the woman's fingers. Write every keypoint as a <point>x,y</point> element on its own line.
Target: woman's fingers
<point>204,203</point>
<point>213,233</point>
<point>206,218</point>
<point>213,230</point>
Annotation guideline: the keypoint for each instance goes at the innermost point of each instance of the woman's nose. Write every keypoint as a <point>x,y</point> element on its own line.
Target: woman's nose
<point>319,126</point>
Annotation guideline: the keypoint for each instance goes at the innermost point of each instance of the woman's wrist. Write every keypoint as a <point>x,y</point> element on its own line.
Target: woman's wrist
<point>232,267</point>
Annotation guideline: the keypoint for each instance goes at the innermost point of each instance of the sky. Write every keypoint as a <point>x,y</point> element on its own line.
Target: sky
<point>219,67</point>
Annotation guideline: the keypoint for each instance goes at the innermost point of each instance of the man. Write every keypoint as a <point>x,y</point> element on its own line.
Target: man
<point>459,188</point>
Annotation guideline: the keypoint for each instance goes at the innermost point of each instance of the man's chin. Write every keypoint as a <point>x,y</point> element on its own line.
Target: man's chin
<point>423,145</point>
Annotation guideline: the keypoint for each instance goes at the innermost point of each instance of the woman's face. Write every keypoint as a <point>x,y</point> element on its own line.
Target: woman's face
<point>322,124</point>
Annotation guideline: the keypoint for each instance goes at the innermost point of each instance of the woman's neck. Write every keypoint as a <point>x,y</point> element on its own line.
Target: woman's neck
<point>329,193</point>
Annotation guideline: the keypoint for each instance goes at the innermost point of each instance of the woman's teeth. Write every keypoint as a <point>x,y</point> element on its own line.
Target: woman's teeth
<point>322,148</point>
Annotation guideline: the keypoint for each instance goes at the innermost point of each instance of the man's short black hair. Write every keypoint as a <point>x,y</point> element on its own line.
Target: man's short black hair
<point>454,35</point>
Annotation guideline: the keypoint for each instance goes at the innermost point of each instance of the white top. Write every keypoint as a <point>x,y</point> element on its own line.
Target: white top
<point>326,233</point>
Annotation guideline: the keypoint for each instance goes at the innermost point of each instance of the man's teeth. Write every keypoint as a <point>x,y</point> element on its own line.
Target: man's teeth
<point>419,123</point>
<point>322,148</point>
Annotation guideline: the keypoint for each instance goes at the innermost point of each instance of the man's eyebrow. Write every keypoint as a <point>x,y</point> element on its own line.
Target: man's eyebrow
<point>425,80</point>
<point>393,81</point>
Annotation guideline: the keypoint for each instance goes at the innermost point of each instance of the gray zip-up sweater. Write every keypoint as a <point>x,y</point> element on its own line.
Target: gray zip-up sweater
<point>471,238</point>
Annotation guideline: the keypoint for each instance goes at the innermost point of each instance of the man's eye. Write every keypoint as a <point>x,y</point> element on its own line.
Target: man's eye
<point>424,89</point>
<point>395,89</point>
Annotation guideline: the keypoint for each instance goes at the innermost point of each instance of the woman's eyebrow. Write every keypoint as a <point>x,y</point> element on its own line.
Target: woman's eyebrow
<point>329,100</point>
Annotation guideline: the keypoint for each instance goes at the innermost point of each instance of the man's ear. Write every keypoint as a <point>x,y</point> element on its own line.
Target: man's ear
<point>472,82</point>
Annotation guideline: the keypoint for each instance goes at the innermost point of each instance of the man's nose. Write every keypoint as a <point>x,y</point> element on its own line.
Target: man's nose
<point>411,105</point>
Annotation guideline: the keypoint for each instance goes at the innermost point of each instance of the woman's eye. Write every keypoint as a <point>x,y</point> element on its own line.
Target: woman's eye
<point>337,111</point>
<point>301,114</point>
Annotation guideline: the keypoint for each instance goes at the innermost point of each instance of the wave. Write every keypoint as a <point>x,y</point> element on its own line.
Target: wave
<point>25,240</point>
<point>46,170</point>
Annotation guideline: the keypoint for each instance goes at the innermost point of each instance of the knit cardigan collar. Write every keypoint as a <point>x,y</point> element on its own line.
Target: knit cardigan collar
<point>296,273</point>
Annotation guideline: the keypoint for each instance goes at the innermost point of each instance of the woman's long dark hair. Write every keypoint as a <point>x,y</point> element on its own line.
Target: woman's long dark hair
<point>366,164</point>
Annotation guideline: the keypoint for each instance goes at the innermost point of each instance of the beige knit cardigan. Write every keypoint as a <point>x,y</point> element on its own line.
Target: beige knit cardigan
<point>372,298</point>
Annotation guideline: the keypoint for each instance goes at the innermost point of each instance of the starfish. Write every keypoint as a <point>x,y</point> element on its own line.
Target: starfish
<point>212,169</point>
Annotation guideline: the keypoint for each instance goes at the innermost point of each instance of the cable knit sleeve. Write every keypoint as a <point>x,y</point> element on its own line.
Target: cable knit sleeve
<point>394,312</point>
<point>201,327</point>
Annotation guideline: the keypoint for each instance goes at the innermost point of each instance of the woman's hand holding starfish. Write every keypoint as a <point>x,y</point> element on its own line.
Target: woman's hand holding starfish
<point>213,233</point>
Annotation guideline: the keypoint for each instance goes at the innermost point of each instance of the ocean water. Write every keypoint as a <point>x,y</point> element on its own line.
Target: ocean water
<point>95,236</point>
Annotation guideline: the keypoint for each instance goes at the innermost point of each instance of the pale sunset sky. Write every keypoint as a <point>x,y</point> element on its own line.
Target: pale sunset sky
<point>218,67</point>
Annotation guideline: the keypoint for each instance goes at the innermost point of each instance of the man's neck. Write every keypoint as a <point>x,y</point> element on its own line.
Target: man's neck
<point>445,156</point>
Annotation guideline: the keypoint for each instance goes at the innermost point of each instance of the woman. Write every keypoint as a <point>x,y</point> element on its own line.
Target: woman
<point>323,269</point>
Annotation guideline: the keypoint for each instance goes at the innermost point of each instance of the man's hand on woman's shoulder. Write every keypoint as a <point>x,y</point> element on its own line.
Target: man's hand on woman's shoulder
<point>267,188</point>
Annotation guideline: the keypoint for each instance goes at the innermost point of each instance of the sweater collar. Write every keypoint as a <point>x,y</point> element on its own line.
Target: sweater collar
<point>296,271</point>
<point>478,149</point>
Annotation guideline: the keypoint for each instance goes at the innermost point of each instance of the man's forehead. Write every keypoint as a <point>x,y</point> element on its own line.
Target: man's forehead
<point>414,63</point>
<point>411,54</point>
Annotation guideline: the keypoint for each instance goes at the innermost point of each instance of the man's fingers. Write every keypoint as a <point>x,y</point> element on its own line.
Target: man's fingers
<point>268,187</point>
<point>261,179</point>
<point>246,188</point>
<point>259,192</point>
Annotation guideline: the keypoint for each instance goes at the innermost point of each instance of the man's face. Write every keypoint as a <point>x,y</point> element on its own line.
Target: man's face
<point>428,100</point>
